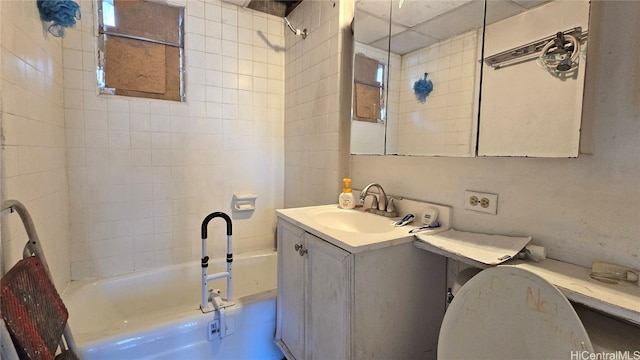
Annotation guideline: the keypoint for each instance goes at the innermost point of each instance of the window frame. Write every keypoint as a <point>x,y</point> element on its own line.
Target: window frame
<point>379,83</point>
<point>103,32</point>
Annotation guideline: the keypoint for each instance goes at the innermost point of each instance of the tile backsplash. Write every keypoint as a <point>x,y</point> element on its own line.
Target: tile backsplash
<point>446,119</point>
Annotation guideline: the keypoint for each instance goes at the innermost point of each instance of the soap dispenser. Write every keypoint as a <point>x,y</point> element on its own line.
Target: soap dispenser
<point>346,199</point>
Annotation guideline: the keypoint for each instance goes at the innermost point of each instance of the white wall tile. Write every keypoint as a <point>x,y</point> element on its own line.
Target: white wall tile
<point>229,15</point>
<point>124,151</point>
<point>196,8</point>
<point>308,63</point>
<point>34,144</point>
<point>195,24</point>
<point>229,48</point>
<point>213,30</point>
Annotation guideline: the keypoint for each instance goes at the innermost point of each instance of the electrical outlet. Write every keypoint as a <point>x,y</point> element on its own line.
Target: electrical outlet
<point>482,202</point>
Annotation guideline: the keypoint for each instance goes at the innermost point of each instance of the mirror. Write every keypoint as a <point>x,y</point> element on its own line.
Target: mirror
<point>432,43</point>
<point>533,80</point>
<point>440,42</point>
<point>371,28</point>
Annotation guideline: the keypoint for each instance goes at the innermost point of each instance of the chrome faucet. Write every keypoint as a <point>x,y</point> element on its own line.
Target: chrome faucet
<point>382,208</point>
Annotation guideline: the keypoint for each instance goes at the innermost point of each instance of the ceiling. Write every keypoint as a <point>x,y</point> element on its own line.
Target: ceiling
<point>419,23</point>
<point>279,8</point>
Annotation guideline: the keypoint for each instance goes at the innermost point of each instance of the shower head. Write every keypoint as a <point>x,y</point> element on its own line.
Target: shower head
<point>565,64</point>
<point>303,33</point>
<point>559,58</point>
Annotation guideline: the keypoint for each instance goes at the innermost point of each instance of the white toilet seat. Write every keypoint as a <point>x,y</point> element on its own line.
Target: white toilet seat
<point>506,312</point>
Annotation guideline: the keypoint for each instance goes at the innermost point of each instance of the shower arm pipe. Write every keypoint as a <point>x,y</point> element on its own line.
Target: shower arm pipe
<point>303,33</point>
<point>204,305</point>
<point>531,49</point>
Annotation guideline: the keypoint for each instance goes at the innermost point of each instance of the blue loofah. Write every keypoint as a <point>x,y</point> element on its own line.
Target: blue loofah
<point>60,13</point>
<point>422,88</point>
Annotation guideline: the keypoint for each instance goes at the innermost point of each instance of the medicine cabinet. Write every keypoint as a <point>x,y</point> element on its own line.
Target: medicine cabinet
<point>507,77</point>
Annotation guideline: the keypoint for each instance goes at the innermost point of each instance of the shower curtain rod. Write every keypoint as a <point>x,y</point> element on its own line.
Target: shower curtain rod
<point>530,49</point>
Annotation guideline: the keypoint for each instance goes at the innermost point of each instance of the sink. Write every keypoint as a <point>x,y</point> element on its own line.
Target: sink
<point>351,221</point>
<point>355,230</point>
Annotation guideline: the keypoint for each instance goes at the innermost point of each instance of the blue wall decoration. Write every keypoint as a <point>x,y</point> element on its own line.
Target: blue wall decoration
<point>422,88</point>
<point>58,14</point>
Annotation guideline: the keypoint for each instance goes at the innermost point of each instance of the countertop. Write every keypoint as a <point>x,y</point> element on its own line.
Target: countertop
<point>349,241</point>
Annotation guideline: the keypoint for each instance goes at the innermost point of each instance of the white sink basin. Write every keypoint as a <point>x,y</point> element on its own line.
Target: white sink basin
<point>352,221</point>
<point>354,230</point>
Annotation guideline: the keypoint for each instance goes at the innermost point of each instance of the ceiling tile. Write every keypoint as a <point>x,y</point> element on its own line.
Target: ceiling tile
<point>414,12</point>
<point>382,44</point>
<point>428,20</point>
<point>368,29</point>
<point>467,17</point>
<point>408,41</point>
<point>501,9</point>
<point>378,8</point>
<point>530,3</point>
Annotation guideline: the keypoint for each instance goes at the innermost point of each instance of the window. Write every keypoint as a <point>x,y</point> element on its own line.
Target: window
<point>141,49</point>
<point>368,89</point>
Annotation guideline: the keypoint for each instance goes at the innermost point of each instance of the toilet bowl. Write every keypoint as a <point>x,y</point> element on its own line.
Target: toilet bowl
<point>506,312</point>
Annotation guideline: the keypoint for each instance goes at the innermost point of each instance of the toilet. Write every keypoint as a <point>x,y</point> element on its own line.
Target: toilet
<point>506,312</point>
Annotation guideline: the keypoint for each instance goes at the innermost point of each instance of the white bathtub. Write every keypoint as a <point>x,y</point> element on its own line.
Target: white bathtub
<point>155,314</point>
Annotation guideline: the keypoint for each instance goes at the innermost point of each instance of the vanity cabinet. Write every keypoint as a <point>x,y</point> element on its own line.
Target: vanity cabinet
<point>335,304</point>
<point>314,275</point>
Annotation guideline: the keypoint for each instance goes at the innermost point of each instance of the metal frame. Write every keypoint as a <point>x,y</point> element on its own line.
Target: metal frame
<point>33,248</point>
<point>529,51</point>
<point>102,32</point>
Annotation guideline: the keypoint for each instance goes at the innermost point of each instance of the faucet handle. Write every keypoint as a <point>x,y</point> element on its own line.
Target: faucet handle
<point>390,206</point>
<point>374,202</point>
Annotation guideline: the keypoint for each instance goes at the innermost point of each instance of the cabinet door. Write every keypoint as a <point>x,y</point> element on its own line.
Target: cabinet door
<point>290,332</point>
<point>328,300</point>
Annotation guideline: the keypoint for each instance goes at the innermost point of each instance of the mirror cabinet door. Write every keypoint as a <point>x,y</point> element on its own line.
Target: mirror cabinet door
<point>431,53</point>
<point>533,78</point>
<point>439,45</point>
<point>433,63</point>
<point>370,87</point>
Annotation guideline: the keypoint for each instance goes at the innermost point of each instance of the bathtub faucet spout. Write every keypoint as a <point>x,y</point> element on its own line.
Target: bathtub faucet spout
<point>207,304</point>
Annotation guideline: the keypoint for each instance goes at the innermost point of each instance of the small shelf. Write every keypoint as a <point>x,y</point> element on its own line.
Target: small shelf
<point>619,300</point>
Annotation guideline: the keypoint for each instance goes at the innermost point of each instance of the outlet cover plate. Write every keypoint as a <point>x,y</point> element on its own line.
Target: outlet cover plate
<point>481,202</point>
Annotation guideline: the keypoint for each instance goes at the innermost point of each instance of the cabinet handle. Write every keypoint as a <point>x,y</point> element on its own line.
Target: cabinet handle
<point>300,249</point>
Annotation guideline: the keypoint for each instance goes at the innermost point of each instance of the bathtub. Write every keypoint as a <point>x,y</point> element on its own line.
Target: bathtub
<point>155,314</point>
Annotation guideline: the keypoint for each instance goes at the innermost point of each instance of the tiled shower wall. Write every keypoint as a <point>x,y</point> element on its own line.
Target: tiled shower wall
<point>443,125</point>
<point>33,164</point>
<point>144,173</point>
<point>317,102</point>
